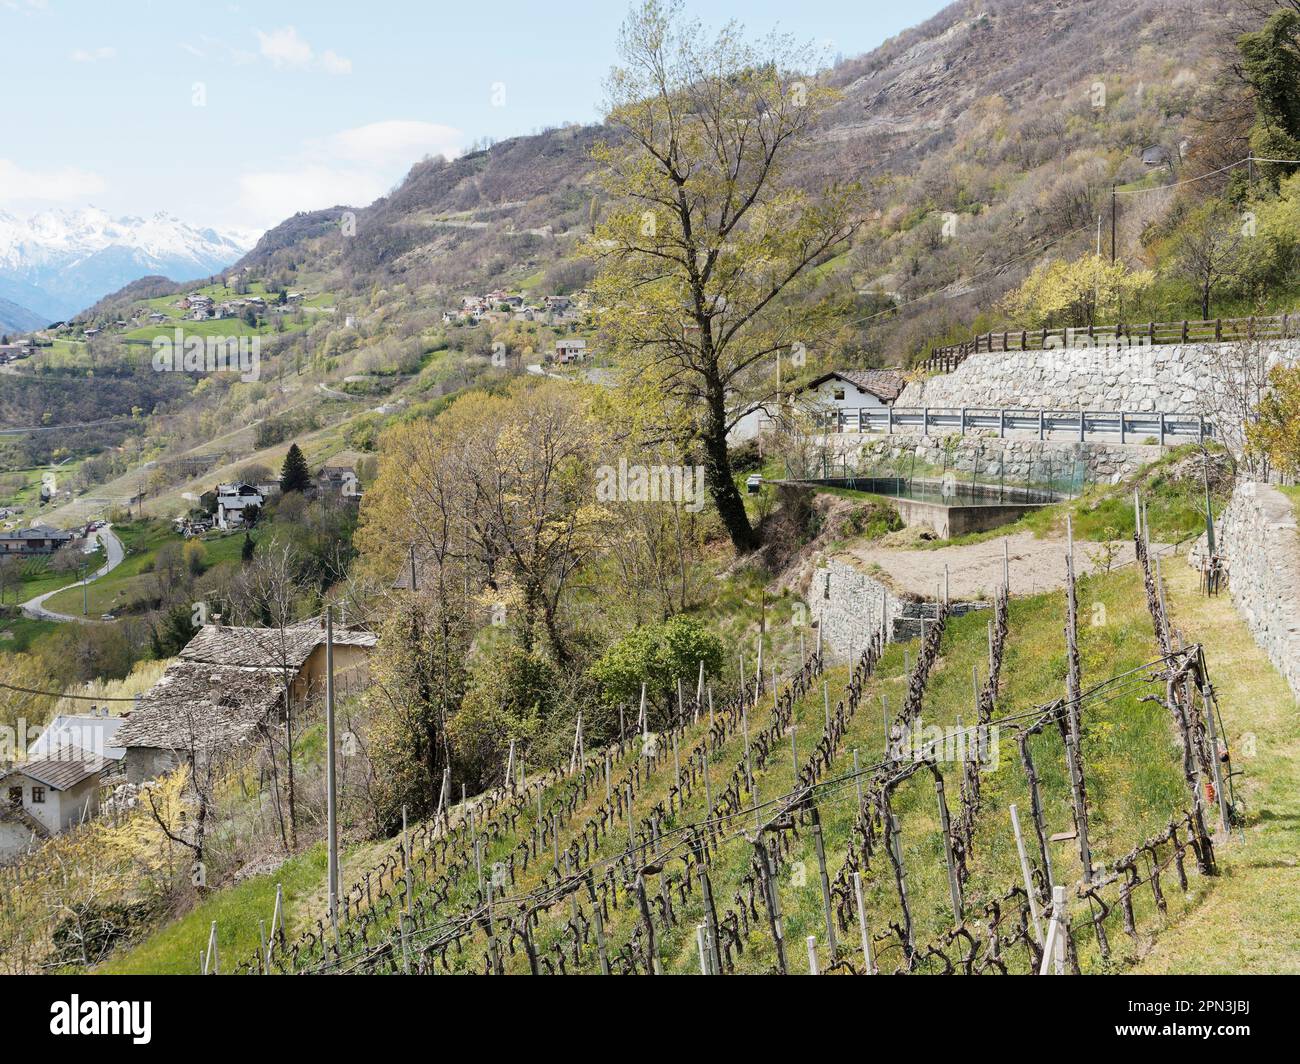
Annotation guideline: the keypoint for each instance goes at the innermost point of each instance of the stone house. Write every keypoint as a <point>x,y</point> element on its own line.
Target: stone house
<point>46,795</point>
<point>228,683</point>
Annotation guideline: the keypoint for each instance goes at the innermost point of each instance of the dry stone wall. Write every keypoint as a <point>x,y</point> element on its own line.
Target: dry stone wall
<point>1172,378</point>
<point>849,604</point>
<point>1258,539</point>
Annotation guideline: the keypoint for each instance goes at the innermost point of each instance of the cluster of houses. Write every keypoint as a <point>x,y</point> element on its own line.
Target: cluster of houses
<point>235,505</point>
<point>13,352</point>
<point>200,307</point>
<point>502,307</point>
<point>229,684</point>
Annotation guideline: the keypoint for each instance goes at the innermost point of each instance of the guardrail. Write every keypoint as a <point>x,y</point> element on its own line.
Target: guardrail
<point>1122,426</point>
<point>1209,330</point>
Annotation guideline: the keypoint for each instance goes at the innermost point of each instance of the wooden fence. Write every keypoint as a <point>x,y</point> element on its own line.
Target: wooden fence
<point>1213,330</point>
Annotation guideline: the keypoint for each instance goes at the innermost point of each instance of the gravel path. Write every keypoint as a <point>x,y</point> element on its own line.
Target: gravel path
<point>975,569</point>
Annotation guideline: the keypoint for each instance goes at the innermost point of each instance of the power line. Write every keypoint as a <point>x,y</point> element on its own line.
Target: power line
<point>59,694</point>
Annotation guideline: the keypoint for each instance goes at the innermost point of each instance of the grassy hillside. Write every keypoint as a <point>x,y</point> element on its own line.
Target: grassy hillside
<point>1133,779</point>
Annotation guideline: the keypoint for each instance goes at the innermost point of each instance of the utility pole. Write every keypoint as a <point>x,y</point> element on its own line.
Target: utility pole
<point>331,775</point>
<point>1209,510</point>
<point>1113,203</point>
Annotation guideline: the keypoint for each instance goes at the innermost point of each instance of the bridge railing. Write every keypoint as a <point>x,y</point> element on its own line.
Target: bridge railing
<point>1121,426</point>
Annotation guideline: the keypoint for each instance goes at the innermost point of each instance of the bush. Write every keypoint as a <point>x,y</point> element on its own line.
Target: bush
<point>873,520</point>
<point>659,655</point>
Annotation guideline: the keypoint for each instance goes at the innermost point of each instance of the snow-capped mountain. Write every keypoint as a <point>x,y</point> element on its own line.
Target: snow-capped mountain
<point>59,262</point>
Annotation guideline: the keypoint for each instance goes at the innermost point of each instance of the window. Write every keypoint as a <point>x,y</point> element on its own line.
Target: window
<point>839,394</point>
<point>38,796</point>
<point>15,796</point>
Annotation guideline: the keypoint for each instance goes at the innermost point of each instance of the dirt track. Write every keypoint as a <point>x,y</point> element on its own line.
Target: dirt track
<point>975,569</point>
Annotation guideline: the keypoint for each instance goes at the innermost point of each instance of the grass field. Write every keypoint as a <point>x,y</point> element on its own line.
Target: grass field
<point>133,579</point>
<point>174,950</point>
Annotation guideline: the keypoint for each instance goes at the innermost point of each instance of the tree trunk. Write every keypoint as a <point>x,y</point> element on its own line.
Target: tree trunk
<point>717,474</point>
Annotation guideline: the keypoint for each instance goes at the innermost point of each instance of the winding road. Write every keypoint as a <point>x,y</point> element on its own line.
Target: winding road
<point>114,553</point>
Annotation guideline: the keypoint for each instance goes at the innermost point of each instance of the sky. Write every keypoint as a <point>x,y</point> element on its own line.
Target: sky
<point>237,115</point>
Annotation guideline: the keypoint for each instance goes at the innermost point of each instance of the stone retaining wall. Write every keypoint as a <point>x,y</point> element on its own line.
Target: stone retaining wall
<point>1017,460</point>
<point>1172,378</point>
<point>848,604</point>
<point>1257,537</point>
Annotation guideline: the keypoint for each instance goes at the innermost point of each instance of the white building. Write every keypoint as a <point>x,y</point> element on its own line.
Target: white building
<point>850,389</point>
<point>829,394</point>
<point>233,500</point>
<point>570,351</point>
<point>43,796</point>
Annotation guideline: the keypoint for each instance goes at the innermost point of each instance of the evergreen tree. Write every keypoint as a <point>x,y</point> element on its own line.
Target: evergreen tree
<point>294,475</point>
<point>1270,64</point>
<point>246,551</point>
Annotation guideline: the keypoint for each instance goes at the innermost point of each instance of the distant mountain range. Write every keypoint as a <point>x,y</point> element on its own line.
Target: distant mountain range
<point>17,319</point>
<point>58,262</point>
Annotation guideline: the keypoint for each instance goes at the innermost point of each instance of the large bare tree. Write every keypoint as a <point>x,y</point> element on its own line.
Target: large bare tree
<point>707,238</point>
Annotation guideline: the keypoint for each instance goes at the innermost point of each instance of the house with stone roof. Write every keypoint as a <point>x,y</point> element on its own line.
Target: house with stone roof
<point>230,683</point>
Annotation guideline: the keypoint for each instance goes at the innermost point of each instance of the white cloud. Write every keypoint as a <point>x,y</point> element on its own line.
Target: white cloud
<point>269,197</point>
<point>352,168</point>
<point>93,55</point>
<point>66,183</point>
<point>285,50</point>
<point>393,141</point>
<point>333,63</point>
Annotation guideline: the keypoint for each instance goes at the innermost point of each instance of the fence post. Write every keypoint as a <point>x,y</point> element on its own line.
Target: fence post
<point>1207,697</point>
<point>826,883</point>
<point>1025,874</point>
<point>812,956</point>
<point>862,924</point>
<point>700,936</point>
<point>1054,947</point>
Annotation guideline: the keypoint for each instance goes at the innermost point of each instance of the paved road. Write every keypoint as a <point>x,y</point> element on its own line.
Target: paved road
<point>114,553</point>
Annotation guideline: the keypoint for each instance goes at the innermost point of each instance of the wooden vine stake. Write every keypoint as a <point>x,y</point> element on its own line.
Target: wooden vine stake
<point>865,931</point>
<point>1028,878</point>
<point>1070,730</point>
<point>772,900</point>
<point>827,904</point>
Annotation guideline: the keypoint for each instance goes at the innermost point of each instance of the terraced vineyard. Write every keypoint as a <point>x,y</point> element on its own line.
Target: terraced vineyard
<point>766,831</point>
